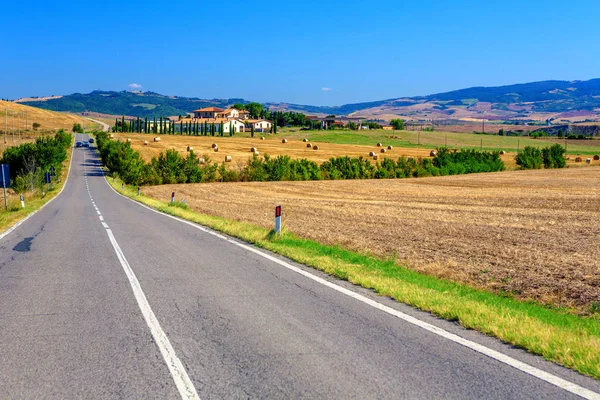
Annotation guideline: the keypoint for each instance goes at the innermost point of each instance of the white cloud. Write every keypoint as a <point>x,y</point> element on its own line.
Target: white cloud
<point>326,89</point>
<point>135,86</point>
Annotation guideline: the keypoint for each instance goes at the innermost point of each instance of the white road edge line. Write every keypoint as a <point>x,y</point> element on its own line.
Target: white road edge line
<point>182,380</point>
<point>15,226</point>
<point>496,355</point>
<point>105,225</point>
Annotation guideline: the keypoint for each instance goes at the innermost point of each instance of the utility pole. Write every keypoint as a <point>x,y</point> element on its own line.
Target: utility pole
<point>13,128</point>
<point>483,126</point>
<point>5,122</point>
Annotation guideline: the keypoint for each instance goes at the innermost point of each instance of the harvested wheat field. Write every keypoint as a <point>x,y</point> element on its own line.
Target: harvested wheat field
<point>25,116</point>
<point>239,148</point>
<point>534,234</point>
<point>16,123</point>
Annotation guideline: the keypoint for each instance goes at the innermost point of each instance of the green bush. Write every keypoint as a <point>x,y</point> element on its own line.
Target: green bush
<point>77,128</point>
<point>530,158</point>
<point>31,160</point>
<point>554,156</point>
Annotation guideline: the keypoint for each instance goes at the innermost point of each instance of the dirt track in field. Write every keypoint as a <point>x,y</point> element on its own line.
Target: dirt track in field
<point>534,234</point>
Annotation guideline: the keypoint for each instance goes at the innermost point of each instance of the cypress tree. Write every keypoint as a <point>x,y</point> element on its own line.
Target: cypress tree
<point>231,129</point>
<point>138,127</point>
<point>116,125</point>
<point>180,127</point>
<point>123,123</point>
<point>205,128</point>
<point>154,126</point>
<point>146,125</point>
<point>252,130</point>
<point>221,128</point>
<point>212,129</point>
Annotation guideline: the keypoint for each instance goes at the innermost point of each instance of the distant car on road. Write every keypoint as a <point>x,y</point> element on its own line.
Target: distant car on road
<point>91,140</point>
<point>78,144</point>
<point>85,144</point>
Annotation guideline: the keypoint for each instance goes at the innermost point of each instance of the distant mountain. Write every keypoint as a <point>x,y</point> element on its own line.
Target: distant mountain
<point>143,104</point>
<point>576,98</point>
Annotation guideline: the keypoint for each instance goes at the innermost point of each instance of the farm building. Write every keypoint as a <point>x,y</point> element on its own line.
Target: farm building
<point>207,112</point>
<point>260,125</point>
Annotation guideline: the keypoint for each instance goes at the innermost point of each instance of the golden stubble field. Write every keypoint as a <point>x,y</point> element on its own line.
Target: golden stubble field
<point>13,117</point>
<point>239,148</point>
<point>534,234</point>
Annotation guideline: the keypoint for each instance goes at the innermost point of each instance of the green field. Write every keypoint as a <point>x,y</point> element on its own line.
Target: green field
<point>437,139</point>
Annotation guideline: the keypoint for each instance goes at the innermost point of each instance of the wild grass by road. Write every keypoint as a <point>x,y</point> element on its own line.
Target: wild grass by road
<point>555,334</point>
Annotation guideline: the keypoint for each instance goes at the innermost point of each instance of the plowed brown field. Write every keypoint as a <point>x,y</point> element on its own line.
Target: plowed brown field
<point>534,234</point>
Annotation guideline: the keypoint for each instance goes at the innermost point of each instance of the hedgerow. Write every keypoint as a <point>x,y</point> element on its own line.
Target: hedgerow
<point>171,167</point>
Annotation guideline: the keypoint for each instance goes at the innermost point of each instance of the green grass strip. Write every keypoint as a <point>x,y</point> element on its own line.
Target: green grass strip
<point>555,334</point>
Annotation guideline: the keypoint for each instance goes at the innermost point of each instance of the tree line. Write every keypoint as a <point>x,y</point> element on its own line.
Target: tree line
<point>171,167</point>
<point>29,161</point>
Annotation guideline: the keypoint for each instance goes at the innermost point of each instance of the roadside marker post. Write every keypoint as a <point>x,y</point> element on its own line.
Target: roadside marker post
<point>47,179</point>
<point>172,197</point>
<point>22,201</point>
<point>5,181</point>
<point>278,220</point>
<point>138,190</point>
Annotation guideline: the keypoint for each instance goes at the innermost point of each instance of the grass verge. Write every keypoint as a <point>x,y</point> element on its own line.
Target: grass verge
<point>33,200</point>
<point>556,335</point>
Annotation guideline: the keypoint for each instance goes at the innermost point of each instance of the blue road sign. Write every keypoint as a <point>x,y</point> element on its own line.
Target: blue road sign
<point>4,175</point>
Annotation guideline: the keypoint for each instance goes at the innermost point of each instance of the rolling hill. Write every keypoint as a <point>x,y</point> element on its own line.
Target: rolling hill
<point>537,100</point>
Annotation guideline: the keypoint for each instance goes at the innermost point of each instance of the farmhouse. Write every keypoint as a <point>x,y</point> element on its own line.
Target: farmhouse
<point>260,125</point>
<point>208,112</point>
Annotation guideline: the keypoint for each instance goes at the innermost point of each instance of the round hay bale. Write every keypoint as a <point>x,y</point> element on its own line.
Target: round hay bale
<point>157,139</point>
<point>390,147</point>
<point>371,154</point>
<point>408,158</point>
<point>227,158</point>
<point>433,153</point>
<point>256,152</point>
<point>383,150</point>
<point>145,143</point>
<point>262,138</point>
<point>596,157</point>
<point>112,136</point>
<point>375,157</point>
<point>128,140</point>
<point>305,140</point>
<point>308,145</point>
<point>588,160</point>
<point>214,145</point>
<point>315,147</point>
<point>578,159</point>
<point>190,148</point>
<point>379,144</point>
<point>216,149</point>
<point>253,150</point>
<point>284,141</point>
<point>202,161</point>
<point>502,152</point>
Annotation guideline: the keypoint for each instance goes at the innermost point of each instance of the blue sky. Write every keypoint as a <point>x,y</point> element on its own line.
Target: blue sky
<point>324,52</point>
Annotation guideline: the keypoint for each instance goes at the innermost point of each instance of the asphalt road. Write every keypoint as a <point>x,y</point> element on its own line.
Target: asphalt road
<point>73,322</point>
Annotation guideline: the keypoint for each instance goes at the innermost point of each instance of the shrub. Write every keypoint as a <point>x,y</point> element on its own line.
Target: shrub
<point>77,128</point>
<point>530,158</point>
<point>554,156</point>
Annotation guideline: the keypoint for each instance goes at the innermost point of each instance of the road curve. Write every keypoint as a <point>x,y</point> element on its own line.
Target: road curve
<point>90,283</point>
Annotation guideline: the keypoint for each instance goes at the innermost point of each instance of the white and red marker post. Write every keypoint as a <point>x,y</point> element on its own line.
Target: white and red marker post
<point>278,220</point>
<point>172,197</point>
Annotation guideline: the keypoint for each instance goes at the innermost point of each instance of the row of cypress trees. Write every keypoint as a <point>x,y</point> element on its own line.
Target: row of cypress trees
<point>164,126</point>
